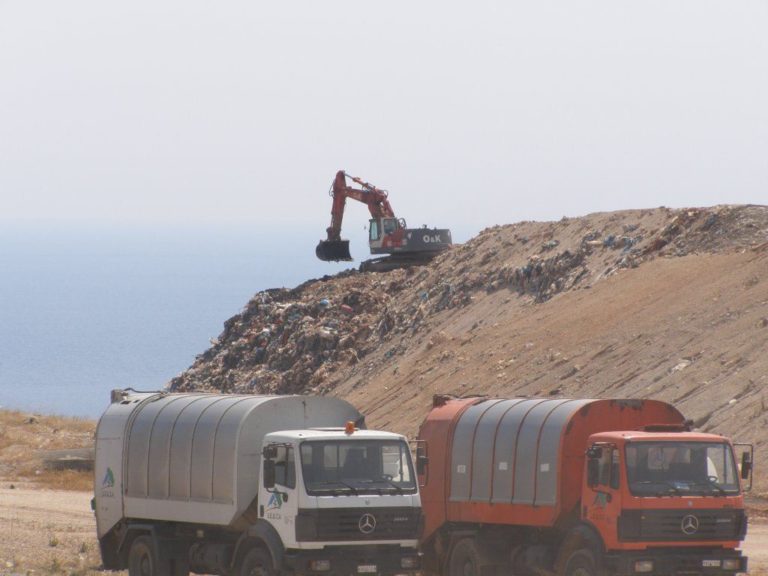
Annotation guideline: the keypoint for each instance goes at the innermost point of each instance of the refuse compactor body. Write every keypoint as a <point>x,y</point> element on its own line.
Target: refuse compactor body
<point>517,461</point>
<point>194,457</point>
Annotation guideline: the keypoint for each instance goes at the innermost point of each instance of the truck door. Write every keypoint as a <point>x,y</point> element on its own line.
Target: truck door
<point>602,496</point>
<point>280,503</point>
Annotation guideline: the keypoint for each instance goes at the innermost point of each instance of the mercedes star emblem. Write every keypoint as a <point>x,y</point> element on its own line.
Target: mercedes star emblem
<point>367,523</point>
<point>690,524</point>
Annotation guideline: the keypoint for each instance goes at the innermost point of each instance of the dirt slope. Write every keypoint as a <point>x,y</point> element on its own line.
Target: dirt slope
<point>26,441</point>
<point>668,304</point>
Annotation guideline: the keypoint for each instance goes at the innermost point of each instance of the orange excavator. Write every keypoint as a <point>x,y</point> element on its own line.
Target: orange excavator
<point>387,234</point>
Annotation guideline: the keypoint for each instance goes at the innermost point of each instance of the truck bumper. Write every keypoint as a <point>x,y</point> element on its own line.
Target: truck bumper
<point>353,561</point>
<point>708,562</point>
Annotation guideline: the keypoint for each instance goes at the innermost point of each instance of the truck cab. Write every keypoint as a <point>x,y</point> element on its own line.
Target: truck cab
<point>666,501</point>
<point>328,491</point>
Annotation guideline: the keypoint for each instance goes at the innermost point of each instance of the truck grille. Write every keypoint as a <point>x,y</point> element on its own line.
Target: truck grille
<point>682,525</point>
<point>353,524</point>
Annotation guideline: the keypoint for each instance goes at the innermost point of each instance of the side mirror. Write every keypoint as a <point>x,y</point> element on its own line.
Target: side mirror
<point>422,461</point>
<point>746,465</point>
<point>270,452</point>
<point>594,452</point>
<point>593,471</point>
<point>269,474</point>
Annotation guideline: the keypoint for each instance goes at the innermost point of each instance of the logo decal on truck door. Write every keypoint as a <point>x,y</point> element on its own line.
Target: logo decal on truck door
<point>275,501</point>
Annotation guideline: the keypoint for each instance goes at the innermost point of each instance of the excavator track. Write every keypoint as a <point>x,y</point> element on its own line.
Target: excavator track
<point>388,263</point>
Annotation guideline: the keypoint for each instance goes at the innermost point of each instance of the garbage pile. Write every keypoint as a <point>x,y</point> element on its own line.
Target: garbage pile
<point>286,341</point>
<point>308,339</point>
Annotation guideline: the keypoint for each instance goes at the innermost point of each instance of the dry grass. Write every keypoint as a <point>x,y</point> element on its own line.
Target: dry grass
<point>25,437</point>
<point>65,480</point>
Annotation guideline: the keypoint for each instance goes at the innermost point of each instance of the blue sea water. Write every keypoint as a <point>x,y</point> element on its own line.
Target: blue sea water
<point>88,308</point>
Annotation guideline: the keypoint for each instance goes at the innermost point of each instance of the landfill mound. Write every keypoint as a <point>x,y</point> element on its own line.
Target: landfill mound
<point>663,303</point>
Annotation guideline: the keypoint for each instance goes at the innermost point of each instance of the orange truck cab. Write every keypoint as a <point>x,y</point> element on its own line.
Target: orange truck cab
<point>577,488</point>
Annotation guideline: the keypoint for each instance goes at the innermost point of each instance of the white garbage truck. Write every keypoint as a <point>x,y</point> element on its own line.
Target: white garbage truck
<point>244,485</point>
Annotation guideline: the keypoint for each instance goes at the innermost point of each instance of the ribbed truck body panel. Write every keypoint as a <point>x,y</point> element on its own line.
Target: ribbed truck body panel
<point>520,460</point>
<point>195,457</point>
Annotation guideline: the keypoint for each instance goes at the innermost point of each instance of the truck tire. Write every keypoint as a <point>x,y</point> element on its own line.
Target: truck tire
<point>143,560</point>
<point>581,563</point>
<point>464,559</point>
<point>256,562</point>
<point>142,557</point>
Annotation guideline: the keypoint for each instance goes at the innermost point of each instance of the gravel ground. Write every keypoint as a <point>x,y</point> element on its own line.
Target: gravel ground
<point>46,531</point>
<point>50,531</point>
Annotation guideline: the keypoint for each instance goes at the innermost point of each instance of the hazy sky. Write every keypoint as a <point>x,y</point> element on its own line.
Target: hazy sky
<point>470,113</point>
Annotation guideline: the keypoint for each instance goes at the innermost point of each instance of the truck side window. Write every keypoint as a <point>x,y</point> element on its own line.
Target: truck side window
<point>608,468</point>
<point>604,477</point>
<point>285,467</point>
<point>615,469</point>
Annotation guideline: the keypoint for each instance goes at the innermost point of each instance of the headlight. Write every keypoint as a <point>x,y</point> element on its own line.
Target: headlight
<point>320,565</point>
<point>644,566</point>
<point>409,562</point>
<point>731,563</point>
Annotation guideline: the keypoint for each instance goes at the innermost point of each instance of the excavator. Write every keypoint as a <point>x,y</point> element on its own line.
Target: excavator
<point>387,234</point>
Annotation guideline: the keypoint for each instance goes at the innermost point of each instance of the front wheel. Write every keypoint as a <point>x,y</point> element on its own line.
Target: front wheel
<point>256,562</point>
<point>581,563</point>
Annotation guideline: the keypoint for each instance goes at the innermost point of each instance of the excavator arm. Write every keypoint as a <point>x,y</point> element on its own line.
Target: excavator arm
<point>333,247</point>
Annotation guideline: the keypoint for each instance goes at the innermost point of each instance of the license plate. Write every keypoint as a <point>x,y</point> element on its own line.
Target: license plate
<point>366,569</point>
<point>710,563</point>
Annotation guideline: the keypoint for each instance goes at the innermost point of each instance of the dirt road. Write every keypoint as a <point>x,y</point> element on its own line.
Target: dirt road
<point>756,546</point>
<point>46,531</point>
<point>50,531</point>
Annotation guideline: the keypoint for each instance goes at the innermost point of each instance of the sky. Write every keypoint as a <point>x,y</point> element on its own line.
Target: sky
<point>470,114</point>
<point>162,161</point>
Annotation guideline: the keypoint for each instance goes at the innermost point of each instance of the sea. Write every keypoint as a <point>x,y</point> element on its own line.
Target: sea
<point>87,307</point>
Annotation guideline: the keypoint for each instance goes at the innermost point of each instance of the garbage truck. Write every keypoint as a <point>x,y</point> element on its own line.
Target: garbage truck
<point>246,484</point>
<point>545,486</point>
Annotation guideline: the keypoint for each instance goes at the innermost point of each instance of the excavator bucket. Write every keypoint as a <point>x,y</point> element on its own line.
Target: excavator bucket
<point>335,250</point>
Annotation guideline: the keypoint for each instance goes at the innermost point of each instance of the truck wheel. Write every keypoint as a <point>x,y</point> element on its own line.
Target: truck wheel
<point>581,563</point>
<point>142,560</point>
<point>257,562</point>
<point>464,559</point>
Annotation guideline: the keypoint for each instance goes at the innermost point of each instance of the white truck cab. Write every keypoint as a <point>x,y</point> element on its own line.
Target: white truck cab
<point>243,485</point>
<point>326,491</point>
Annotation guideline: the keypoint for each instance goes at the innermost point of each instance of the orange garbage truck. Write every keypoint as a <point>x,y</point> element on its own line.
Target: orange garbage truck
<point>532,486</point>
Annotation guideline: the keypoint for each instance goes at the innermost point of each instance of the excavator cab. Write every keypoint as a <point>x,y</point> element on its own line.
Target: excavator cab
<point>379,227</point>
<point>333,250</point>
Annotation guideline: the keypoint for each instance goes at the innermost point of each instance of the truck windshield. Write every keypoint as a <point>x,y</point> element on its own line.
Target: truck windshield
<point>357,467</point>
<point>690,468</point>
